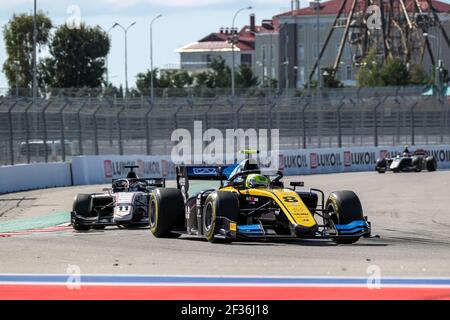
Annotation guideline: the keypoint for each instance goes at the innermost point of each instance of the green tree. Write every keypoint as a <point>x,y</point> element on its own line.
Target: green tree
<point>329,79</point>
<point>77,57</point>
<point>394,73</point>
<point>18,37</point>
<point>176,79</point>
<point>417,75</point>
<point>369,73</point>
<point>204,80</point>
<point>169,79</point>
<point>143,80</point>
<point>245,77</point>
<point>221,74</point>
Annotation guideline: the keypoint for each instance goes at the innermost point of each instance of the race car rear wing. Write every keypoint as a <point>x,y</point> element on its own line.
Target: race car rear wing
<point>200,172</point>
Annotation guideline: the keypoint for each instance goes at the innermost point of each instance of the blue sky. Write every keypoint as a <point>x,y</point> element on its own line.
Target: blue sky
<point>183,21</point>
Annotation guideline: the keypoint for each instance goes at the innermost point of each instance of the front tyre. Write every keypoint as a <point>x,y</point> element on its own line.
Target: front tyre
<point>82,206</point>
<point>431,163</point>
<point>166,212</point>
<point>219,204</point>
<point>381,166</point>
<point>344,207</point>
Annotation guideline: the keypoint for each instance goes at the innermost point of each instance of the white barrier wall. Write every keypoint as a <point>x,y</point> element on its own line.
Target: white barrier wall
<point>101,169</point>
<point>34,176</point>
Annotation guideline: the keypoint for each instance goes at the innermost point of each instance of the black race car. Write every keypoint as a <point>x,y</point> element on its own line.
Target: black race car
<point>125,204</point>
<point>407,161</point>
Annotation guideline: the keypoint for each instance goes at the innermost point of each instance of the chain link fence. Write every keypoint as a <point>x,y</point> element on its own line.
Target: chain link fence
<point>58,127</point>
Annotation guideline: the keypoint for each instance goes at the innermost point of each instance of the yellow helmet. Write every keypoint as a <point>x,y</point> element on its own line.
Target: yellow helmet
<point>257,180</point>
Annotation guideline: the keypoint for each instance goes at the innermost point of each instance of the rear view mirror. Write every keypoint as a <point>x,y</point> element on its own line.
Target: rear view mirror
<point>297,184</point>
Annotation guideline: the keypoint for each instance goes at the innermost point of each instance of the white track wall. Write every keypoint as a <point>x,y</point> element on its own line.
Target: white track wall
<point>34,176</point>
<point>87,170</point>
<point>101,169</point>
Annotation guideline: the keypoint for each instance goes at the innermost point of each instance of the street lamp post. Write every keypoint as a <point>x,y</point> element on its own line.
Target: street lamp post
<point>34,52</point>
<point>108,33</point>
<point>152,93</point>
<point>125,30</point>
<point>319,75</point>
<point>439,66</point>
<point>233,43</point>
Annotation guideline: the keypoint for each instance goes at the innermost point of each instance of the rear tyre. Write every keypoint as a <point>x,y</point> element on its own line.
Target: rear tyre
<point>344,207</point>
<point>417,164</point>
<point>81,227</point>
<point>82,206</point>
<point>431,163</point>
<point>219,204</point>
<point>381,166</point>
<point>166,212</point>
<point>99,227</point>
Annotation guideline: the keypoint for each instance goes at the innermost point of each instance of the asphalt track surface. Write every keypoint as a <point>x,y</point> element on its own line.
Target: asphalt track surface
<point>410,212</point>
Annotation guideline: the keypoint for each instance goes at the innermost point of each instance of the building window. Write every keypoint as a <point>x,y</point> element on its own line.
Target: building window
<point>246,59</point>
<point>301,52</point>
<point>302,75</point>
<point>349,73</point>
<point>347,52</point>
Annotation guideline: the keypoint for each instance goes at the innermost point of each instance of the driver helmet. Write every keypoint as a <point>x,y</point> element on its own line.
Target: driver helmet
<point>257,180</point>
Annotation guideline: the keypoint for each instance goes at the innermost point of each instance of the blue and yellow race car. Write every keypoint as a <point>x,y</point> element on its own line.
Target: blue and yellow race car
<point>253,203</point>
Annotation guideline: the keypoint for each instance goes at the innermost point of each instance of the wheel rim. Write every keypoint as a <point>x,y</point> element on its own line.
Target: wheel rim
<point>208,217</point>
<point>152,215</point>
<point>332,213</point>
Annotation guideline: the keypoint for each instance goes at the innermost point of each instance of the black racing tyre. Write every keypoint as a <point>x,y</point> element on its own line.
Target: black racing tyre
<point>81,227</point>
<point>83,205</point>
<point>381,166</point>
<point>431,163</point>
<point>219,204</point>
<point>417,163</point>
<point>166,212</point>
<point>344,207</point>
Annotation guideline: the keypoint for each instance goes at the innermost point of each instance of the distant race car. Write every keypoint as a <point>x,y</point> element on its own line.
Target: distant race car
<point>253,204</point>
<point>125,204</point>
<point>407,162</point>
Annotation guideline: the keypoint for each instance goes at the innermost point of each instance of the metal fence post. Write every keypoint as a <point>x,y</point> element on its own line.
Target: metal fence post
<point>340,124</point>
<point>80,132</point>
<point>413,131</point>
<point>304,123</point>
<point>63,133</point>
<point>147,128</point>
<point>375,121</point>
<point>120,130</point>
<point>96,130</point>
<point>11,132</point>
<point>44,123</point>
<point>271,108</point>
<point>27,134</point>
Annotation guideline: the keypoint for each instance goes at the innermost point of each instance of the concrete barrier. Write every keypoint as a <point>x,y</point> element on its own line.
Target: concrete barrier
<point>34,176</point>
<point>87,170</point>
<point>101,169</point>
